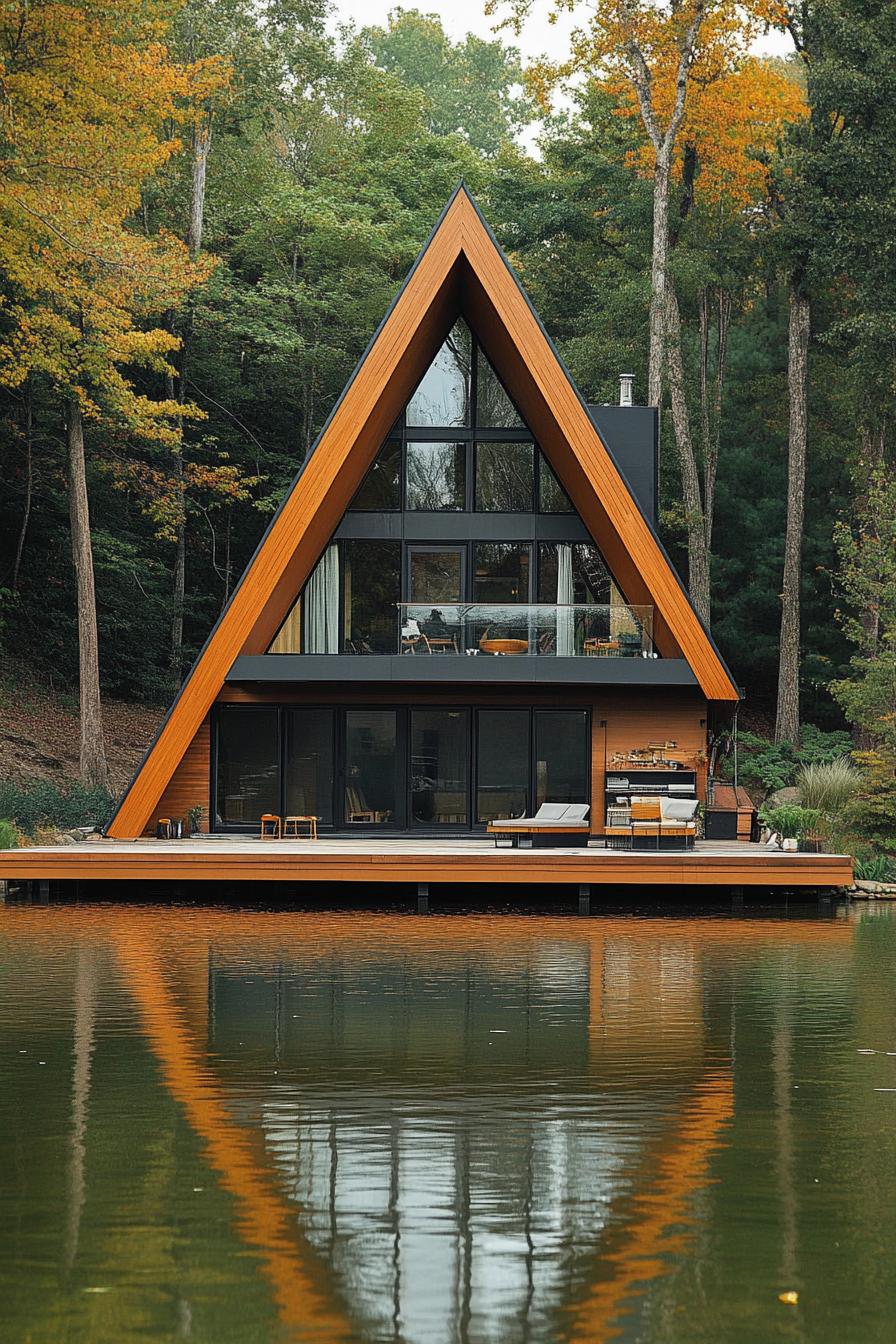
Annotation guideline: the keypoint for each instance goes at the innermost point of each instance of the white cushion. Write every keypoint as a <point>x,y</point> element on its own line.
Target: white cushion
<point>551,811</point>
<point>679,809</point>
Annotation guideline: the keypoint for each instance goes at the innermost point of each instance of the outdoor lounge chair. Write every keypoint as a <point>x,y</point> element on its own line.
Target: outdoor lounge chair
<point>661,823</point>
<point>554,824</point>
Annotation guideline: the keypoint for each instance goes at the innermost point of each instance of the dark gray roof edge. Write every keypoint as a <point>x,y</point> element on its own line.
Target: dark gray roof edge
<point>584,405</point>
<point>286,494</point>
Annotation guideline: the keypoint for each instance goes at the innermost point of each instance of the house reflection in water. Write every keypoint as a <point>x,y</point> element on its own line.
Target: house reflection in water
<point>458,1129</point>
<point>367,1127</point>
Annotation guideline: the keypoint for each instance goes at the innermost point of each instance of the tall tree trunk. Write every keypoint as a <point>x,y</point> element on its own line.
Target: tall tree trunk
<point>711,386</point>
<point>201,143</point>
<point>28,439</point>
<point>871,461</point>
<point>659,268</point>
<point>93,752</point>
<point>787,721</point>
<point>180,572</point>
<point>698,550</point>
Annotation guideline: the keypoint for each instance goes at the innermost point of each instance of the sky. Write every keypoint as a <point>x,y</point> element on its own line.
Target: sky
<point>538,38</point>
<point>465,16</point>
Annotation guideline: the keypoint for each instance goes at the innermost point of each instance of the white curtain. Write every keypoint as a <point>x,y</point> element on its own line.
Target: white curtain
<point>565,613</point>
<point>322,605</point>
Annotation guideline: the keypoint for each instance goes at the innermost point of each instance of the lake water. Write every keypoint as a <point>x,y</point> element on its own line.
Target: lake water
<point>236,1125</point>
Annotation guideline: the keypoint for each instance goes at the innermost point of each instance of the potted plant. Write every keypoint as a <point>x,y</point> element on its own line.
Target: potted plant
<point>796,825</point>
<point>194,819</point>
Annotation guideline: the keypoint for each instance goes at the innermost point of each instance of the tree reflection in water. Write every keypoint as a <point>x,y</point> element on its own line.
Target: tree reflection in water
<point>427,1129</point>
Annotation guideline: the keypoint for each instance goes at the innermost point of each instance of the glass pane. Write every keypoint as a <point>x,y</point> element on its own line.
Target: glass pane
<point>371,760</point>
<point>443,397</point>
<point>504,477</point>
<point>320,601</point>
<point>248,773</point>
<point>309,764</point>
<point>554,498</point>
<point>288,638</point>
<point>502,788</point>
<point>436,476</point>
<point>494,409</point>
<point>381,487</point>
<point>440,756</point>
<point>371,593</point>
<point>583,579</point>
<point>561,756</point>
<point>436,576</point>
<point>501,572</point>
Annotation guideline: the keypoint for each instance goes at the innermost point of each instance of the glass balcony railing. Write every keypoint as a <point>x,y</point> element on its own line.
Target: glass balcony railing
<point>498,629</point>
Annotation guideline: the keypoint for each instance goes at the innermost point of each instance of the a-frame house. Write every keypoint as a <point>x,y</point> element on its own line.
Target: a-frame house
<point>461,609</point>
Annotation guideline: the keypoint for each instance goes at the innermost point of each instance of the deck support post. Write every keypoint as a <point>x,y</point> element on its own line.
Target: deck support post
<point>41,889</point>
<point>737,899</point>
<point>584,898</point>
<point>422,898</point>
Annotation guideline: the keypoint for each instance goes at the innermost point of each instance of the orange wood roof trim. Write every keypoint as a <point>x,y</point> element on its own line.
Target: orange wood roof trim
<point>460,255</point>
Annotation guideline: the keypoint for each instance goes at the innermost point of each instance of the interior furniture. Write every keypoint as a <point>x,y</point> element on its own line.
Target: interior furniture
<point>601,648</point>
<point>299,827</point>
<point>554,825</point>
<point>510,647</point>
<point>271,826</point>
<point>409,643</point>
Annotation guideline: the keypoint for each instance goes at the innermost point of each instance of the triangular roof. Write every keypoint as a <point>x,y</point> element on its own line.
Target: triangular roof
<point>461,269</point>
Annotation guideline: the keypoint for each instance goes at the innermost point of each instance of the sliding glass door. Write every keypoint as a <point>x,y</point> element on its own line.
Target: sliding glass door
<point>562,758</point>
<point>374,793</point>
<point>502,777</point>
<point>440,767</point>
<point>247,779</point>
<point>527,757</point>
<point>394,768</point>
<point>308,764</point>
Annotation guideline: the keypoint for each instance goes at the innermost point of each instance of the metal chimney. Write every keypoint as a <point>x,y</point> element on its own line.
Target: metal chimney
<point>626,381</point>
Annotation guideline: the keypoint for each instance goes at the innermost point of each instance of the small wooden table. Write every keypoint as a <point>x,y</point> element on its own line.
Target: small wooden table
<point>295,822</point>
<point>600,648</point>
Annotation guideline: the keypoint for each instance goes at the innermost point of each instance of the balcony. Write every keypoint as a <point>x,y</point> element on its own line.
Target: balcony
<point>512,630</point>
<point>485,643</point>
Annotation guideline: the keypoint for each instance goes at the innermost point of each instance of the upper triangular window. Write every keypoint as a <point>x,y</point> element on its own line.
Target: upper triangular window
<point>443,396</point>
<point>494,409</point>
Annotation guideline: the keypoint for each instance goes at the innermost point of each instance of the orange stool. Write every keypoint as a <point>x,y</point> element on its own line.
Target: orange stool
<point>271,828</point>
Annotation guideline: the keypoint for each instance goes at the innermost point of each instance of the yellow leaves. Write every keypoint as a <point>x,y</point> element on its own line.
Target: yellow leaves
<point>91,109</point>
<point>735,105</point>
<point>789,1299</point>
<point>734,123</point>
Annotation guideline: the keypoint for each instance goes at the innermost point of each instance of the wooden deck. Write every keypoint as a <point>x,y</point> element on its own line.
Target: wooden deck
<point>454,862</point>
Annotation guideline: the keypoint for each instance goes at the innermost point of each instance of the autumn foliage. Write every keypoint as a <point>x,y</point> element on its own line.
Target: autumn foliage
<point>92,107</point>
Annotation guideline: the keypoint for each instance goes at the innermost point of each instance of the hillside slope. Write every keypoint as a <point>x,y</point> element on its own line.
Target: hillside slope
<point>39,731</point>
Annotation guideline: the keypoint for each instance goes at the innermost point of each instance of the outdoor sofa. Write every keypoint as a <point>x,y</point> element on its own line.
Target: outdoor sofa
<point>654,823</point>
<point>554,825</point>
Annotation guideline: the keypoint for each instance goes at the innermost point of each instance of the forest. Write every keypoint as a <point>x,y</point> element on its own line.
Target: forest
<point>206,207</point>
